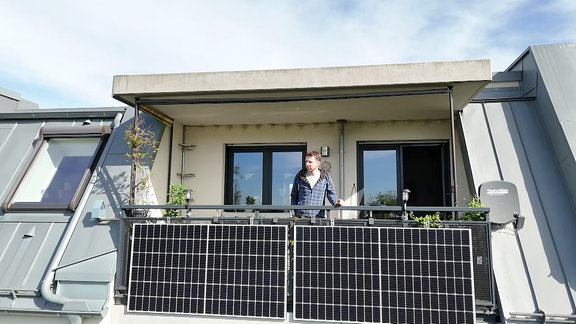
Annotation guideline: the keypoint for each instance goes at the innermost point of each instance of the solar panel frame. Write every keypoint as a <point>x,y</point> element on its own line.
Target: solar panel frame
<point>209,269</point>
<point>387,274</point>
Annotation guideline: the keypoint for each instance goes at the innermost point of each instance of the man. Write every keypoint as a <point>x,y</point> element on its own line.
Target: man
<point>311,186</point>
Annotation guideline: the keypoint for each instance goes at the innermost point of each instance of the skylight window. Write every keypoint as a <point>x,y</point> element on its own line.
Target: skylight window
<point>58,173</point>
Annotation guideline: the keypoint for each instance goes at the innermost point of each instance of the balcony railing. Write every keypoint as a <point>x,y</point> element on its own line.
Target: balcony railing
<point>283,214</point>
<point>136,212</point>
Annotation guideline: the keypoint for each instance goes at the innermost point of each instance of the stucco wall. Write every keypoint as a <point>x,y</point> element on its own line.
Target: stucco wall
<point>207,159</point>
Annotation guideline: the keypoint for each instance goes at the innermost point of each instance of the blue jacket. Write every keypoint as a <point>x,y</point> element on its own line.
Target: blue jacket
<point>304,195</point>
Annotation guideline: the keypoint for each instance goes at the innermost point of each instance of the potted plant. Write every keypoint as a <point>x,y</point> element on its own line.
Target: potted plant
<point>473,215</point>
<point>250,201</point>
<point>176,196</point>
<point>429,221</point>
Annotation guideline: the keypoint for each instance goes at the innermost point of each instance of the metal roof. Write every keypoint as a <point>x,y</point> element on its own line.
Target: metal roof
<point>80,252</point>
<point>513,139</point>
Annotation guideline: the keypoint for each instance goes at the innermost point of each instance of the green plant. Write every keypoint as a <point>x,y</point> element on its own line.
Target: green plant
<point>429,221</point>
<point>250,200</point>
<point>382,199</point>
<point>474,215</point>
<point>176,196</point>
<point>142,145</point>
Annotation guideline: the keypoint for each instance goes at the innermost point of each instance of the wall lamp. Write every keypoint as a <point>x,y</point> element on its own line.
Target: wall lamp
<point>324,151</point>
<point>188,197</point>
<point>405,197</point>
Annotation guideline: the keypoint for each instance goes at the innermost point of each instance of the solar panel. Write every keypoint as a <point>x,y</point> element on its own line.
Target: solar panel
<point>209,269</point>
<point>389,275</point>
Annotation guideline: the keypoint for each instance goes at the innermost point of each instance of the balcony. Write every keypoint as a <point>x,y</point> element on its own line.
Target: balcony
<point>327,255</point>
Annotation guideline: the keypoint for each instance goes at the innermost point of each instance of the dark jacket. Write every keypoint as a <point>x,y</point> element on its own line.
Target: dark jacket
<point>304,195</point>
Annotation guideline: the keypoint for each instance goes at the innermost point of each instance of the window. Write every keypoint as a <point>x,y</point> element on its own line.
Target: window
<point>386,169</point>
<point>58,172</point>
<point>264,173</point>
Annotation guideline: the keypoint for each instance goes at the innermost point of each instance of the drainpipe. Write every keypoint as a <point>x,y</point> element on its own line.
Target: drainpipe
<point>453,149</point>
<point>341,124</point>
<point>74,319</point>
<point>45,288</point>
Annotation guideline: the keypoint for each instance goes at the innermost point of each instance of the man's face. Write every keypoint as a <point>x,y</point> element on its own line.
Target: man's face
<point>311,163</point>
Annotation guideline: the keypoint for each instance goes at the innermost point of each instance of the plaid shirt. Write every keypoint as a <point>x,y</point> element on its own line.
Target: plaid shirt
<point>303,194</point>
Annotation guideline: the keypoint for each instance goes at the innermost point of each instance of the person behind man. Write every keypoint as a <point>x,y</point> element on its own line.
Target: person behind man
<point>311,186</point>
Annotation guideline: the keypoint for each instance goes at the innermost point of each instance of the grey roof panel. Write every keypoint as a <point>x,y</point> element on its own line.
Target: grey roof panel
<point>26,251</point>
<point>511,133</point>
<point>14,151</point>
<point>29,240</point>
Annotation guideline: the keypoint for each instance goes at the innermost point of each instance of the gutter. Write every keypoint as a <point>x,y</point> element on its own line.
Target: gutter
<point>46,288</point>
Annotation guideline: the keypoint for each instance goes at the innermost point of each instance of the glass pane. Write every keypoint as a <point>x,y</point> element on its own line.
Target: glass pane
<point>380,178</point>
<point>247,178</point>
<point>424,175</point>
<point>285,165</point>
<point>57,171</point>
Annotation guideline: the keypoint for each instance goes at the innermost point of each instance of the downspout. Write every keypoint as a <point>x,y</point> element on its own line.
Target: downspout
<point>46,289</point>
<point>341,124</point>
<point>454,190</point>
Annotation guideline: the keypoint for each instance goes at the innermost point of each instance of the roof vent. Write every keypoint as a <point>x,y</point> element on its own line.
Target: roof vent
<point>30,233</point>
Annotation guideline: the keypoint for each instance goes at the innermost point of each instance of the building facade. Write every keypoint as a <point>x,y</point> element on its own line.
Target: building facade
<point>76,229</point>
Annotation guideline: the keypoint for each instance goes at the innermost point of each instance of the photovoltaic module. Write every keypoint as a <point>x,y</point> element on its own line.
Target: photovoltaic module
<point>383,275</point>
<point>339,274</point>
<point>234,270</point>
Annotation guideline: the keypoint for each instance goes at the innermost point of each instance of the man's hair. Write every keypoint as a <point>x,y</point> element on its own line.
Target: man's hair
<point>315,154</point>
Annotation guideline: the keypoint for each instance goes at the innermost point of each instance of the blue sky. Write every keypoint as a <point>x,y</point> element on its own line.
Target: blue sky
<point>64,53</point>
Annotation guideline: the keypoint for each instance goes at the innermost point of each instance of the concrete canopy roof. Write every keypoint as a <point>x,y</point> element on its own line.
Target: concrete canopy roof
<point>318,95</point>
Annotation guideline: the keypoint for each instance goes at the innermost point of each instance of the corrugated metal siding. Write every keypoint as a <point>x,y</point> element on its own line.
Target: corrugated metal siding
<point>506,141</point>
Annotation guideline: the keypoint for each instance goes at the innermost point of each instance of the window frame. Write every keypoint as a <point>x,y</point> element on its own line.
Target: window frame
<point>45,134</point>
<point>267,162</point>
<point>443,146</point>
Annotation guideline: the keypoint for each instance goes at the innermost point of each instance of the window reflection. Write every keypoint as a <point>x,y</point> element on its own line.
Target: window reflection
<point>380,178</point>
<point>285,165</point>
<point>264,173</point>
<point>247,178</point>
<point>57,171</point>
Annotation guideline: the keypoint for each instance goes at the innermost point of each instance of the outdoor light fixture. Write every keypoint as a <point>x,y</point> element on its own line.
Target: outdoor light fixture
<point>188,196</point>
<point>325,151</point>
<point>405,197</point>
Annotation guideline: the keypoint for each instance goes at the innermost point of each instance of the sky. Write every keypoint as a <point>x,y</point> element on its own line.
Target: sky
<point>64,53</point>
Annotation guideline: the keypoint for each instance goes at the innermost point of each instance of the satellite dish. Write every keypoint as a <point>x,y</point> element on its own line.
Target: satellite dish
<point>502,198</point>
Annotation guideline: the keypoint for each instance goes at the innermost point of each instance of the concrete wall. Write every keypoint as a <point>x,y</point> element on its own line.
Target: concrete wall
<point>207,159</point>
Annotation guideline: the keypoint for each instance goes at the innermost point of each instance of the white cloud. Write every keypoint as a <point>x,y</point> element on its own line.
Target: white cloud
<point>64,53</point>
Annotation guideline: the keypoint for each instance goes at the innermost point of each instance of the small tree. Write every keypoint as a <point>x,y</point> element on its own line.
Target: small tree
<point>142,144</point>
